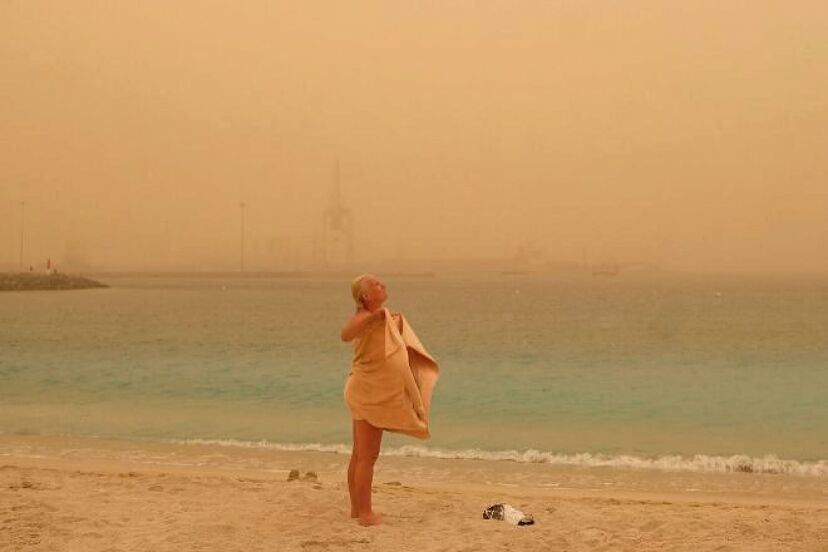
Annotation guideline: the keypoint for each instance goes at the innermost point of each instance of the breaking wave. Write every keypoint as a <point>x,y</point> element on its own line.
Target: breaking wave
<point>698,463</point>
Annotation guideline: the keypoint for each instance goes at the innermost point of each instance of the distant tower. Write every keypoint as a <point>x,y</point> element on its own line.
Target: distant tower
<point>242,206</point>
<point>337,230</point>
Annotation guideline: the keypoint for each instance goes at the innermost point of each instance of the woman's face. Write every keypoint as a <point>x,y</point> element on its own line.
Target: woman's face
<point>373,291</point>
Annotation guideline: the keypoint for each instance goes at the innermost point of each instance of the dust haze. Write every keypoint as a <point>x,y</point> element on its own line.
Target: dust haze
<point>284,136</point>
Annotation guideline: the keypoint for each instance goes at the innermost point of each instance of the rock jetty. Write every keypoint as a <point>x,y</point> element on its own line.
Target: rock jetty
<point>25,281</point>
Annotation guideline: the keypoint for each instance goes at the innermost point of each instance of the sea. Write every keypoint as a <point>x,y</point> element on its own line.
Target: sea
<point>652,371</point>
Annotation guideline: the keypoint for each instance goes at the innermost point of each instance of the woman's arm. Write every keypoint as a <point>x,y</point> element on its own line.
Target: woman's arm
<point>358,322</point>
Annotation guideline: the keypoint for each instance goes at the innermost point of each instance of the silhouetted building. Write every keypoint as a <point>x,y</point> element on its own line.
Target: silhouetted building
<point>337,230</point>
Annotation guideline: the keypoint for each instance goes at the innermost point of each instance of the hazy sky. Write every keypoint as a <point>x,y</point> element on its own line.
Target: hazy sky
<point>693,134</point>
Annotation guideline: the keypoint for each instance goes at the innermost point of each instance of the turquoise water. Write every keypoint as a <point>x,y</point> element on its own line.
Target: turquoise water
<point>637,366</point>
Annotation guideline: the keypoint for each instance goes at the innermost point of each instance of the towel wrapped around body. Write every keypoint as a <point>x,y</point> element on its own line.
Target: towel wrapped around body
<point>392,378</point>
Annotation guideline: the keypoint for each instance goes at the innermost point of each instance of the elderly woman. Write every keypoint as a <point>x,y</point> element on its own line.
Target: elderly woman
<point>389,387</point>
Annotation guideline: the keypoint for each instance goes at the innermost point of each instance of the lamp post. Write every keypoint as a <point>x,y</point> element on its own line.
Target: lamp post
<point>242,205</point>
<point>22,231</point>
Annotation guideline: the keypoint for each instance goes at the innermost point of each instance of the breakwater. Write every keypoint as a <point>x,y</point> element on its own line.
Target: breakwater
<point>25,281</point>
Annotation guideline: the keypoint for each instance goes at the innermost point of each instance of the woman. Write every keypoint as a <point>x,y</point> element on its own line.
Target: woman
<point>389,387</point>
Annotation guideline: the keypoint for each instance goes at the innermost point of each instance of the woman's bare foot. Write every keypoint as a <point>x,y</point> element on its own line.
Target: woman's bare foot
<point>370,519</point>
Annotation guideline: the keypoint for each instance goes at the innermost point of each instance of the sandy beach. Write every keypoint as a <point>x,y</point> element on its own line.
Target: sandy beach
<point>108,495</point>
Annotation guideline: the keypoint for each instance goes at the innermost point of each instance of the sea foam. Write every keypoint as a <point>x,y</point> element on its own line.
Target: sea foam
<point>768,464</point>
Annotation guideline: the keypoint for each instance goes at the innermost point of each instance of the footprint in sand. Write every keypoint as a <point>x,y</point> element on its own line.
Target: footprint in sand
<point>309,476</point>
<point>397,485</point>
<point>651,526</point>
<point>71,519</point>
<point>335,542</point>
<point>593,536</point>
<point>25,485</point>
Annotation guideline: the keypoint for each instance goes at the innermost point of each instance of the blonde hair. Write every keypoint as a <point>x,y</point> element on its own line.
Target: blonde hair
<point>356,288</point>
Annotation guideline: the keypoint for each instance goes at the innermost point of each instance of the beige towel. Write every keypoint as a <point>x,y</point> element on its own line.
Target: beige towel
<point>392,378</point>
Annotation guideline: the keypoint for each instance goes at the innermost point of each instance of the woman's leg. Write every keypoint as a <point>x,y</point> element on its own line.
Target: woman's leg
<point>351,471</point>
<point>367,441</point>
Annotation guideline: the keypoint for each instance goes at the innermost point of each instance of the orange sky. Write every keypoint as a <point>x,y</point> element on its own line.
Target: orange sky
<point>692,135</point>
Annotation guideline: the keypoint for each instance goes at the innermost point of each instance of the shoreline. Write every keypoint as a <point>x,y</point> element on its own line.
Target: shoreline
<point>164,496</point>
<point>699,463</point>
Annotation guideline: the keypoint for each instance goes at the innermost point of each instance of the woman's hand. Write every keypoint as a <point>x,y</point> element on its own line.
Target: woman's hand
<point>358,322</point>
